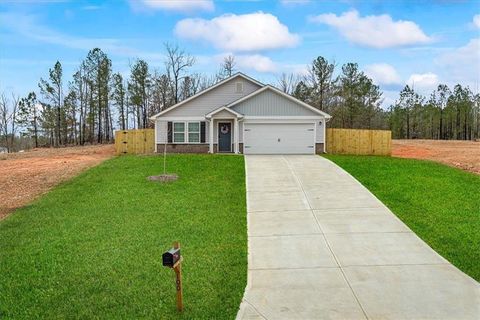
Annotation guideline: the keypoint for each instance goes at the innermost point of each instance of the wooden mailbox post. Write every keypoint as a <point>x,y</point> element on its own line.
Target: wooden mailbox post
<point>173,259</point>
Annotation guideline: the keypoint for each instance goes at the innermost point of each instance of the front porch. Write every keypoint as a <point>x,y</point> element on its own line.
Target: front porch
<point>224,131</point>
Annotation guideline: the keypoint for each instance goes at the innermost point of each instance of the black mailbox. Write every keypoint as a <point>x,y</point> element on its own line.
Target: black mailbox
<point>171,257</point>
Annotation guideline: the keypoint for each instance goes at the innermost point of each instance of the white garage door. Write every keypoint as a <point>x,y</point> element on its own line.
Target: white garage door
<point>279,138</point>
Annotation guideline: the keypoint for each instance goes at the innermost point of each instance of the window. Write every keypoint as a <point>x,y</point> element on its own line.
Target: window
<point>238,87</point>
<point>179,132</point>
<point>186,132</point>
<point>194,132</point>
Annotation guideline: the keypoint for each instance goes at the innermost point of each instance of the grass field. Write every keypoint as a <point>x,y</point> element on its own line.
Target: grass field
<point>439,203</point>
<point>92,247</point>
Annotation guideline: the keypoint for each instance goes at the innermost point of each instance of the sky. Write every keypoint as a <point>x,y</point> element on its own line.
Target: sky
<point>420,43</point>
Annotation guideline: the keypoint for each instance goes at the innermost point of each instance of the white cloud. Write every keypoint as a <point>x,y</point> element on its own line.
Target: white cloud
<point>247,32</point>
<point>382,73</point>
<point>300,69</point>
<point>389,97</point>
<point>462,64</point>
<point>185,6</point>
<point>476,21</point>
<point>423,82</point>
<point>374,31</point>
<point>255,62</point>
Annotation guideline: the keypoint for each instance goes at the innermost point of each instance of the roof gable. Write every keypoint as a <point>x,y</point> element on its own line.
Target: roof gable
<point>254,85</point>
<point>274,102</point>
<point>223,110</point>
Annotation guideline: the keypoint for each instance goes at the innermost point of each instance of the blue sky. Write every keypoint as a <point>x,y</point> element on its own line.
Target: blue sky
<point>395,42</point>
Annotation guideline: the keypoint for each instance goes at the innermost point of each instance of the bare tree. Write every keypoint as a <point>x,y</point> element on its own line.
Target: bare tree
<point>177,65</point>
<point>161,92</point>
<point>8,120</point>
<point>206,82</point>
<point>228,66</point>
<point>288,82</point>
<point>191,85</point>
<point>4,118</point>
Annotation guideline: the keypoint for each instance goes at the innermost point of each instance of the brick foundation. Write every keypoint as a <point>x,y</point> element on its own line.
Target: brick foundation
<point>183,148</point>
<point>318,148</point>
<point>203,148</point>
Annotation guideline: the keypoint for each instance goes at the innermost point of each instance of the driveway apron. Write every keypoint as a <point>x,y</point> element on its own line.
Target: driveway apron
<point>321,246</point>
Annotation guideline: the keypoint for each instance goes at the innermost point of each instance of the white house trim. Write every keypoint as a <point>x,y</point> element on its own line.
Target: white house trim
<point>233,112</point>
<point>284,117</point>
<point>181,119</point>
<point>238,74</point>
<point>325,136</point>
<point>235,136</point>
<point>210,136</point>
<point>269,87</point>
<point>155,137</point>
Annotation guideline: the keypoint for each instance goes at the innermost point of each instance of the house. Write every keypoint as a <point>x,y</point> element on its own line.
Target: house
<point>241,115</point>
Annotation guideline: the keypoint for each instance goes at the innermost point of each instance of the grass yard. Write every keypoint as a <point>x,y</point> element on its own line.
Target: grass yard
<point>91,248</point>
<point>439,203</point>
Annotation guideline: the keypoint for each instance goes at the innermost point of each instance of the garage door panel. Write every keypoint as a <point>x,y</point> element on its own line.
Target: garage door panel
<point>281,138</point>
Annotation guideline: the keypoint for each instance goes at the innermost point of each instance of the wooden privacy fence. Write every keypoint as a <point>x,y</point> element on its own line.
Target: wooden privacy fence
<point>140,141</point>
<point>361,142</point>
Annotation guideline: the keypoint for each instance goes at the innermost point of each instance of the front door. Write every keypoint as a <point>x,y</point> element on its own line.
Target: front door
<point>224,137</point>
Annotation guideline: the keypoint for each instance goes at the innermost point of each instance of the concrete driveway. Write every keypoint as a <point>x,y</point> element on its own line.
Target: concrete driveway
<point>321,246</point>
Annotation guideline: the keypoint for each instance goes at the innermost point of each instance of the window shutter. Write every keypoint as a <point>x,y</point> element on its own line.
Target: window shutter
<point>202,132</point>
<point>170,131</point>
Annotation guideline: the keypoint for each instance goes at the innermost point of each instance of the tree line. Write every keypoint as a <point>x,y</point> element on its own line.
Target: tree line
<point>354,101</point>
<point>96,100</point>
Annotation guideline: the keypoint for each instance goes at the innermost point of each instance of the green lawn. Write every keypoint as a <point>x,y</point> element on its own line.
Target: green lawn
<point>439,203</point>
<point>92,247</point>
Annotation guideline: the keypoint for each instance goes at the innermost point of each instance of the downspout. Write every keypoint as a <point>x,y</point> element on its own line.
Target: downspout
<point>155,134</point>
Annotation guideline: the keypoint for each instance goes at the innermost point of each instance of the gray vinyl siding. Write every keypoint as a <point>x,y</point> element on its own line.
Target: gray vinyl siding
<point>320,134</point>
<point>161,131</point>
<point>215,98</point>
<point>224,114</point>
<point>270,103</point>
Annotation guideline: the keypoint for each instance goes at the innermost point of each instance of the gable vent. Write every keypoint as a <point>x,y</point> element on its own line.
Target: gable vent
<point>239,87</point>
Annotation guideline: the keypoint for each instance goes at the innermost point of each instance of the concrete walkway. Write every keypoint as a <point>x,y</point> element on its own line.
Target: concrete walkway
<point>321,246</point>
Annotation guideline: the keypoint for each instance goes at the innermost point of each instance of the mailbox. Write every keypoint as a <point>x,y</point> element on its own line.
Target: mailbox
<point>171,257</point>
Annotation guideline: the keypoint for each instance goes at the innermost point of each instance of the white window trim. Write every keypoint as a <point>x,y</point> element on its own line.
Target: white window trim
<point>186,132</point>
<point>199,132</point>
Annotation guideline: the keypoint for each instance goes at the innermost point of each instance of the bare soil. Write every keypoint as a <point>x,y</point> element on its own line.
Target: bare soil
<point>163,178</point>
<point>25,176</point>
<point>460,154</point>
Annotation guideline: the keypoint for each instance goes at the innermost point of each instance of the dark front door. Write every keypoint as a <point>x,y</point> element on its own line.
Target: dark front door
<point>224,137</point>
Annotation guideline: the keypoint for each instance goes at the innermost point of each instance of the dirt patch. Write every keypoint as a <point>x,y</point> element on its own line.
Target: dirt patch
<point>163,178</point>
<point>460,154</point>
<point>25,176</point>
